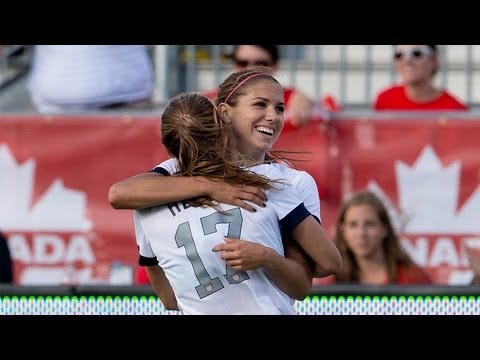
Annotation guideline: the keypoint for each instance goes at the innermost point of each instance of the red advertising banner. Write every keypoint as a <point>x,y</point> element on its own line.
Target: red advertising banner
<point>427,171</point>
<point>55,174</point>
<point>54,179</point>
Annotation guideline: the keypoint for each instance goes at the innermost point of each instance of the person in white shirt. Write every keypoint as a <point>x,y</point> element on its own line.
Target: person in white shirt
<point>82,78</point>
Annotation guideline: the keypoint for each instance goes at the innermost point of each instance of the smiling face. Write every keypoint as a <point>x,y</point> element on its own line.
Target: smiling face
<point>363,231</point>
<point>256,117</point>
<point>415,64</point>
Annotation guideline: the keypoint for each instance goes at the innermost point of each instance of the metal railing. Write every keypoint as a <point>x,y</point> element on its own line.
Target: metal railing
<point>353,74</point>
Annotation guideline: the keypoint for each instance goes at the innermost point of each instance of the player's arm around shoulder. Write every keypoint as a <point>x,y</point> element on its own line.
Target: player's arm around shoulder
<point>314,240</point>
<point>156,188</point>
<point>136,192</point>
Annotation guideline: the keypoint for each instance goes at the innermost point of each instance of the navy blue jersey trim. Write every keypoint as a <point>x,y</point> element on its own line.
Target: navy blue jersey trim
<point>145,261</point>
<point>295,217</point>
<point>160,170</point>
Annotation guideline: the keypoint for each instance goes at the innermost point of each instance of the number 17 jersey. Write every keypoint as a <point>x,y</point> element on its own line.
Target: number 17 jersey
<point>182,237</point>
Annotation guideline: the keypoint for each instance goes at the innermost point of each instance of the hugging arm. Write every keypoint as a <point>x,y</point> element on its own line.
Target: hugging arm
<point>310,234</point>
<point>313,239</point>
<point>152,189</point>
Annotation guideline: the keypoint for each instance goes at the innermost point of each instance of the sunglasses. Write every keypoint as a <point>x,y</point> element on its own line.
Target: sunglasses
<point>416,54</point>
<point>245,63</point>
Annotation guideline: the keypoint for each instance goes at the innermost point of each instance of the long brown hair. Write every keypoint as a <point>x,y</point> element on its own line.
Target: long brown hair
<point>394,253</point>
<point>194,134</point>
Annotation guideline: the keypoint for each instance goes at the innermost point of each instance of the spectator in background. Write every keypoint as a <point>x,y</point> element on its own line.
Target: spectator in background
<point>416,65</point>
<point>80,78</point>
<point>298,109</point>
<point>473,256</point>
<point>370,248</point>
<point>6,265</point>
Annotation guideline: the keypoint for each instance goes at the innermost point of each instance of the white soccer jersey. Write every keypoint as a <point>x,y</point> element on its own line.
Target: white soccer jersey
<point>182,238</point>
<point>304,183</point>
<point>305,187</point>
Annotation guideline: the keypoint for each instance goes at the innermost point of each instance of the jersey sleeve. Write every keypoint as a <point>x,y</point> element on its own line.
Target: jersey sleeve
<point>307,191</point>
<point>146,254</point>
<point>289,207</point>
<point>305,187</point>
<point>293,218</point>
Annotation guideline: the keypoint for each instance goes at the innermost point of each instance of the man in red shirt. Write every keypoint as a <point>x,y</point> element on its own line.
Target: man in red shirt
<point>416,65</point>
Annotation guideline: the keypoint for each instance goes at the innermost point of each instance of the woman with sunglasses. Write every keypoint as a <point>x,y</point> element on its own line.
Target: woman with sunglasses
<point>416,66</point>
<point>298,109</point>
